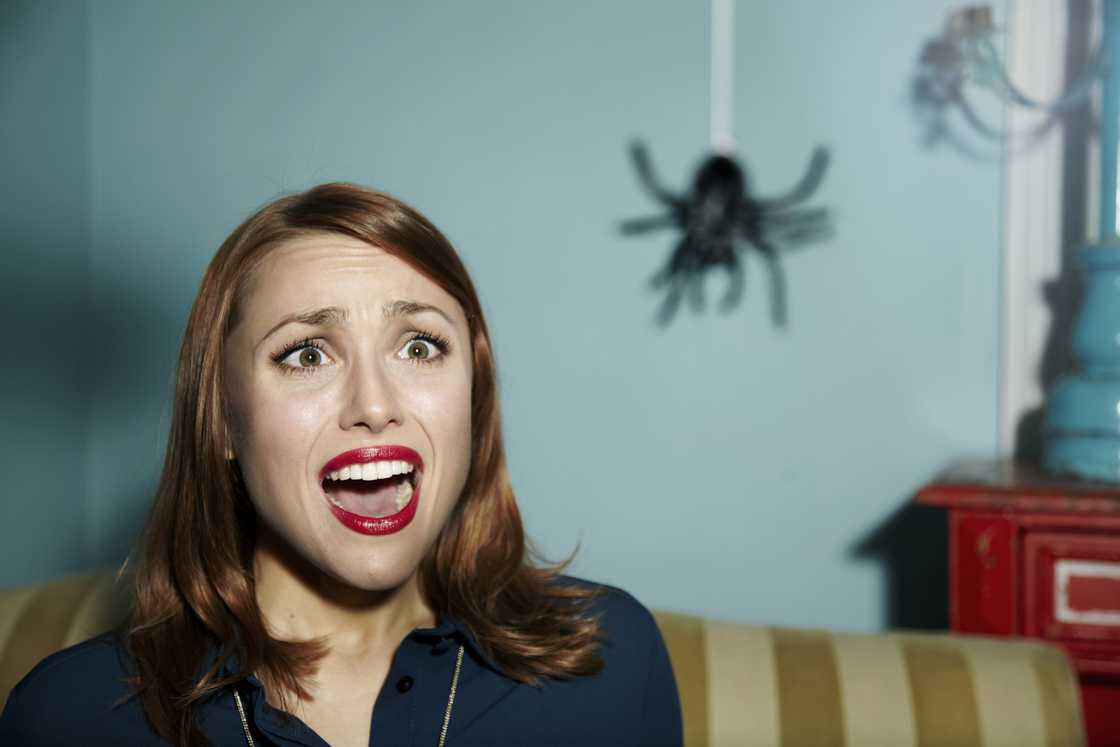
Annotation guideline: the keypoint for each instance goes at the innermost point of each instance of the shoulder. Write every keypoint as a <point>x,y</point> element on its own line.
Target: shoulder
<point>623,620</point>
<point>630,642</point>
<point>636,688</point>
<point>99,663</point>
<point>68,695</point>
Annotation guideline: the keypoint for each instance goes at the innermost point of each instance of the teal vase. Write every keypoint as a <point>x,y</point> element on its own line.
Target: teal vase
<point>1081,434</point>
<point>1082,425</point>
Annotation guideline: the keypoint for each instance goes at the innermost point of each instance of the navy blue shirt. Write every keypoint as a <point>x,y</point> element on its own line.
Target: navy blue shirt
<point>76,696</point>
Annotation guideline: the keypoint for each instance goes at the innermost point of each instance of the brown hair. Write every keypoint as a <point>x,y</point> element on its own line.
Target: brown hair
<point>195,591</point>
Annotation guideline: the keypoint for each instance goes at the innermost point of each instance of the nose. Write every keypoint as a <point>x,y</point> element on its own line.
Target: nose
<point>370,401</point>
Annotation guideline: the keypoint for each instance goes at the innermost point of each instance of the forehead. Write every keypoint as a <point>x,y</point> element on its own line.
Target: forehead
<point>323,269</point>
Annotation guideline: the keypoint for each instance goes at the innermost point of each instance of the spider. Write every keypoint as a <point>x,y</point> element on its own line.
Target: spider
<point>717,217</point>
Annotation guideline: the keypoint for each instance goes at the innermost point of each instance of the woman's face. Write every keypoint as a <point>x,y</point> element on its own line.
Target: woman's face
<point>349,381</point>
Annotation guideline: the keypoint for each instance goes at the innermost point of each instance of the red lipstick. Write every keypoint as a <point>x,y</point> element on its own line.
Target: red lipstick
<point>383,524</point>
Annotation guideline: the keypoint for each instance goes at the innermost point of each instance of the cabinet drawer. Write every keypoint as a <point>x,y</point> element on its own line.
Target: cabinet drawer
<point>1072,586</point>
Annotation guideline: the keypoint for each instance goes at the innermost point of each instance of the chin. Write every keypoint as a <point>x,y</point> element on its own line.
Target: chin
<point>372,570</point>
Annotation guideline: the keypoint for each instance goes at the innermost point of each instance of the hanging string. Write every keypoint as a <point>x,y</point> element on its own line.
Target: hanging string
<point>721,77</point>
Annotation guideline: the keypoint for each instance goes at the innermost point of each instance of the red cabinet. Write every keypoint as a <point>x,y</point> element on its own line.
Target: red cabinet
<point>1036,557</point>
<point>1072,593</point>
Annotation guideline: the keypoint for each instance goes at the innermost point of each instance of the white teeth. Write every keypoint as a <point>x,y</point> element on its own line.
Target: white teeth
<point>372,470</point>
<point>404,493</point>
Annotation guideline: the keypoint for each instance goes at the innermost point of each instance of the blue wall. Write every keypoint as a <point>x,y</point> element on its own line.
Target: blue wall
<point>44,242</point>
<point>717,466</point>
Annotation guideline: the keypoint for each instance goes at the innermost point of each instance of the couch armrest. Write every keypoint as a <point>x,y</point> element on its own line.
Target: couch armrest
<point>36,621</point>
<point>744,684</point>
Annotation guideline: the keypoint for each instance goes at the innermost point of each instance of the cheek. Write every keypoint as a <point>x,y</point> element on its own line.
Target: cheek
<point>274,421</point>
<point>446,414</point>
<point>279,430</point>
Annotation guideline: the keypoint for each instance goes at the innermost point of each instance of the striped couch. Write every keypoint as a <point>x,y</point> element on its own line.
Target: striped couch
<point>740,684</point>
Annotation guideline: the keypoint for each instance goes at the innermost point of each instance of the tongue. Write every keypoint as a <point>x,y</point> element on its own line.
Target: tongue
<point>372,499</point>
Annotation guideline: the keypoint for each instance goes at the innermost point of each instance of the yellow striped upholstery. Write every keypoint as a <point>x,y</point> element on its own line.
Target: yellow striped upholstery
<point>749,685</point>
<point>39,620</point>
<point>740,684</point>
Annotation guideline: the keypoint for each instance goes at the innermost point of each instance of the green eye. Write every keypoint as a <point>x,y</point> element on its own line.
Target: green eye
<point>424,348</point>
<point>419,350</point>
<point>302,358</point>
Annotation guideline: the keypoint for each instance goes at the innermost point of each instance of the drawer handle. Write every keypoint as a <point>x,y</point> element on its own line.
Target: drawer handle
<point>1087,592</point>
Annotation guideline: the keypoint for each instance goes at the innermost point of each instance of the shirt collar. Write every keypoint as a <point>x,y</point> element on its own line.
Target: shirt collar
<point>451,629</point>
<point>447,632</point>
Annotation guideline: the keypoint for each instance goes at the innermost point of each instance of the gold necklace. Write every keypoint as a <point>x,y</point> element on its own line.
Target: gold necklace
<point>446,712</point>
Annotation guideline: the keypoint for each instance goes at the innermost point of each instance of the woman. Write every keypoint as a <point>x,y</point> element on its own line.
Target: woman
<point>335,553</point>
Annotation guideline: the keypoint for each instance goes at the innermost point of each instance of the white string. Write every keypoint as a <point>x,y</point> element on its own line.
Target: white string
<point>721,78</point>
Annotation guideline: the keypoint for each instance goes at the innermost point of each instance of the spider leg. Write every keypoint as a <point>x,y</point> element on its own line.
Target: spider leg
<point>668,308</point>
<point>777,283</point>
<point>644,166</point>
<point>794,216</point>
<point>692,266</point>
<point>644,225</point>
<point>695,285</point>
<point>675,267</point>
<point>802,235</point>
<point>661,278</point>
<point>818,164</point>
<point>736,283</point>
<point>673,274</point>
<point>797,227</point>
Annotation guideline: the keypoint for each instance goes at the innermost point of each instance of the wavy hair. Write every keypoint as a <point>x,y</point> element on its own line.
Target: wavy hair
<point>194,589</point>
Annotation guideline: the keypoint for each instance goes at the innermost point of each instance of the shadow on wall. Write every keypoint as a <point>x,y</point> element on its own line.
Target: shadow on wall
<point>139,322</point>
<point>911,545</point>
<point>43,290</point>
<point>85,412</point>
<point>43,509</point>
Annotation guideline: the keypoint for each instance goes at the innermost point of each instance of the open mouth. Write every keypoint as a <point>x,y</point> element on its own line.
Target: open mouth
<point>372,490</point>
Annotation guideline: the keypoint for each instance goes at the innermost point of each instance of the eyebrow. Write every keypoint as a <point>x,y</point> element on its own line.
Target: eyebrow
<point>328,316</point>
<point>397,309</point>
<point>333,316</point>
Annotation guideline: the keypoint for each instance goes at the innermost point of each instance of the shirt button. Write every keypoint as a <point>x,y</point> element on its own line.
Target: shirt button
<point>404,684</point>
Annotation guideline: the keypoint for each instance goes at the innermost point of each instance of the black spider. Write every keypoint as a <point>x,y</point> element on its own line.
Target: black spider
<point>717,217</point>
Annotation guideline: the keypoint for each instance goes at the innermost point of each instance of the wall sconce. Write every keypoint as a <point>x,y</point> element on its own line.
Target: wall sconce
<point>967,52</point>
